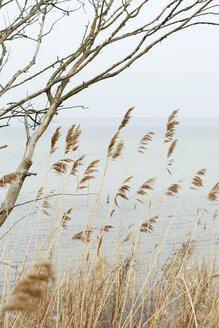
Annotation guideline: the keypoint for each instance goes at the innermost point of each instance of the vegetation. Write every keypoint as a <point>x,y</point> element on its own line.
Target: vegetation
<point>102,39</point>
<point>129,287</point>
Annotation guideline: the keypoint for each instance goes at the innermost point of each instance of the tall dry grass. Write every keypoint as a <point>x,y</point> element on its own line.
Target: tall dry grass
<point>99,290</point>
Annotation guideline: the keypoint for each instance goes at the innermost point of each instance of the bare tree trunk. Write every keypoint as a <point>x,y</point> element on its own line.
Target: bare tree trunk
<point>23,168</point>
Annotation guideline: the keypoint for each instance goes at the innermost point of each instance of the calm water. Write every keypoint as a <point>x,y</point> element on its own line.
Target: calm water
<point>198,147</point>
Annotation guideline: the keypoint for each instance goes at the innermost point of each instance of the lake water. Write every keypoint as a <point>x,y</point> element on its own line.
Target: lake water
<point>197,147</point>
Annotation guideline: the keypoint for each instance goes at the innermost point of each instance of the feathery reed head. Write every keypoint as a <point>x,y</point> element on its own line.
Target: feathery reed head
<point>197,180</point>
<point>88,173</point>
<point>54,140</point>
<point>147,226</point>
<point>72,138</point>
<point>119,148</point>
<point>77,163</point>
<point>39,193</point>
<point>116,153</point>
<point>84,235</point>
<point>8,179</point>
<point>127,238</point>
<point>112,143</point>
<point>147,185</point>
<point>107,228</point>
<point>66,218</point>
<point>32,287</point>
<point>212,196</point>
<point>60,167</point>
<point>173,189</point>
<point>122,190</point>
<point>171,148</point>
<point>170,127</point>
<point>145,141</point>
<point>68,138</point>
<point>126,118</point>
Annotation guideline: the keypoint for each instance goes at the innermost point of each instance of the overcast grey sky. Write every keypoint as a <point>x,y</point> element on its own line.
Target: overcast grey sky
<point>181,72</point>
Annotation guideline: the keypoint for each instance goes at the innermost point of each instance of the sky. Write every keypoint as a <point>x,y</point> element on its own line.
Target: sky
<point>182,72</point>
<point>179,73</point>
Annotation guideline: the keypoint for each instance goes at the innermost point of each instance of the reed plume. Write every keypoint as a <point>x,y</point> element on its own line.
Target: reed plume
<point>84,235</point>
<point>54,140</point>
<point>171,126</point>
<point>171,148</point>
<point>72,138</point>
<point>173,189</point>
<point>202,171</point>
<point>118,150</point>
<point>147,185</point>
<point>88,173</point>
<point>197,180</point>
<point>8,179</point>
<point>122,191</point>
<point>212,196</point>
<point>116,153</point>
<point>127,238</point>
<point>77,163</point>
<point>46,204</point>
<point>68,138</point>
<point>106,228</point>
<point>147,226</point>
<point>126,118</point>
<point>60,167</point>
<point>34,286</point>
<point>112,143</point>
<point>39,193</point>
<point>66,218</point>
<point>144,142</point>
<point>169,153</point>
<point>3,146</point>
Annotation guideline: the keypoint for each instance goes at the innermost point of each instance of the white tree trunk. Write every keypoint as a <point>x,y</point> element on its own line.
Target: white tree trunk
<point>23,168</point>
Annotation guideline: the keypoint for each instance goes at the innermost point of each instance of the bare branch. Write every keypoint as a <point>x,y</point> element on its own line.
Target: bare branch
<point>31,63</point>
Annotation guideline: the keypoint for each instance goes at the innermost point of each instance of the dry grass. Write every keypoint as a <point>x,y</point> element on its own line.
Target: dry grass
<point>179,296</point>
<point>113,292</point>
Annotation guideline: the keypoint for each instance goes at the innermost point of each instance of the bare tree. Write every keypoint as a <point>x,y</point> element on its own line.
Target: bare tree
<point>109,23</point>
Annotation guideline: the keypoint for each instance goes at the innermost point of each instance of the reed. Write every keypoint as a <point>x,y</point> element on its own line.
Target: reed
<point>110,273</point>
